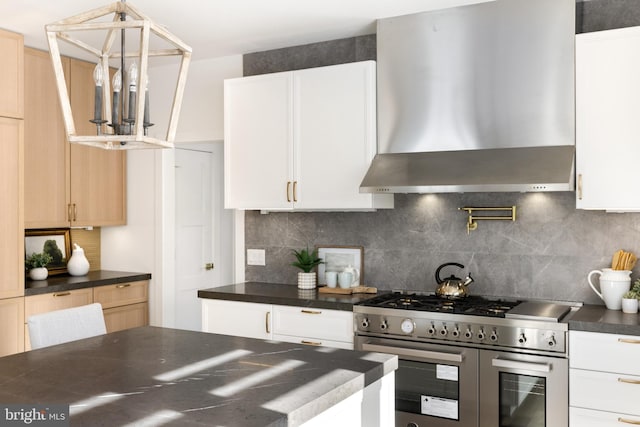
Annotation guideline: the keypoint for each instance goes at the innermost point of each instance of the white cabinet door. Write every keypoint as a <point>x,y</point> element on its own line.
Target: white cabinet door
<point>607,124</point>
<point>579,417</point>
<point>604,352</point>
<point>243,319</point>
<point>258,142</point>
<point>335,135</point>
<point>313,324</point>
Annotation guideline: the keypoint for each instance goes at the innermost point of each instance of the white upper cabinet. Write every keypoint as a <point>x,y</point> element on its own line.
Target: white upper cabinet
<point>608,120</point>
<point>301,140</point>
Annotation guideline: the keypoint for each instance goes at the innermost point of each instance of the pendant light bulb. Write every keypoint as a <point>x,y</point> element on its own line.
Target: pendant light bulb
<point>117,81</point>
<point>98,78</point>
<point>133,74</point>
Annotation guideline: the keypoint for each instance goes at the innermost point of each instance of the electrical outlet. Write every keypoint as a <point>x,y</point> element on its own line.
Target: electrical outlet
<point>255,257</point>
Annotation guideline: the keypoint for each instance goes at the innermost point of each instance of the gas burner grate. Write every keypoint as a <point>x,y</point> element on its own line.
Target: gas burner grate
<point>473,305</point>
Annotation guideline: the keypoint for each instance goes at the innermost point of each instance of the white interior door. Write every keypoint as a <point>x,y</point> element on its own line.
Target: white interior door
<point>195,266</point>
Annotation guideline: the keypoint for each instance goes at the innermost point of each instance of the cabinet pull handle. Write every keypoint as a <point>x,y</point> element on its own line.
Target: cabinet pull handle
<point>579,186</point>
<point>627,421</point>
<point>69,214</point>
<point>628,381</point>
<point>310,312</point>
<point>628,341</point>
<point>75,212</point>
<point>295,191</point>
<point>311,343</point>
<point>126,285</point>
<point>288,188</point>
<point>61,294</point>
<point>266,322</point>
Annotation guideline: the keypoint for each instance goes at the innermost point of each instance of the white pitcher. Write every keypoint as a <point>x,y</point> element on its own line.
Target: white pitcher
<point>613,284</point>
<point>355,274</point>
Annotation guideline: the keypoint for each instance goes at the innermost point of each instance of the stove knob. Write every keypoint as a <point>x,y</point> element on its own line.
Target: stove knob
<point>431,330</point>
<point>444,331</point>
<point>384,325</point>
<point>365,323</point>
<point>481,334</point>
<point>522,339</point>
<point>551,340</point>
<point>468,334</point>
<point>407,326</point>
<point>456,333</point>
<point>494,335</point>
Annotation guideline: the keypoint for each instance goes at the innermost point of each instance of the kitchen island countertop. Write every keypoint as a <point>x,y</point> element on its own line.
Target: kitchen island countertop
<point>154,376</point>
<point>271,293</point>
<point>597,318</point>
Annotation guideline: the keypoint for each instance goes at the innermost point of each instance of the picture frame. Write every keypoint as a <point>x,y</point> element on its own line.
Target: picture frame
<point>57,242</point>
<point>336,258</point>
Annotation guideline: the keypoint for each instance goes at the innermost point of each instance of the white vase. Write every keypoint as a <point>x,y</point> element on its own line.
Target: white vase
<point>39,273</point>
<point>78,265</point>
<point>306,280</point>
<point>629,305</point>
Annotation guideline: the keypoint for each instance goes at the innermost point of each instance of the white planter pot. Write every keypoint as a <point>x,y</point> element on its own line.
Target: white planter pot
<point>306,280</point>
<point>40,273</point>
<point>629,305</point>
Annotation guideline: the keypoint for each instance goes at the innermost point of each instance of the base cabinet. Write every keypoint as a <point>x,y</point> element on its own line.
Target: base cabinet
<point>604,382</point>
<point>301,325</point>
<point>11,326</point>
<point>126,317</point>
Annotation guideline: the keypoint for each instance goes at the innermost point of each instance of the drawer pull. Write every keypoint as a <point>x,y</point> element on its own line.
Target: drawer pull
<point>311,343</point>
<point>310,312</point>
<point>627,421</point>
<point>628,341</point>
<point>123,286</point>
<point>61,294</point>
<point>628,381</point>
<point>266,322</point>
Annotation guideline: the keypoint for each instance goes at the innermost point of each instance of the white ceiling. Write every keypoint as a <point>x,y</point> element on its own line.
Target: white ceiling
<point>217,28</point>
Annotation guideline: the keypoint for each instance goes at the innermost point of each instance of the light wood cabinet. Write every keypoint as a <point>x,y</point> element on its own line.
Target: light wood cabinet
<point>604,381</point>
<point>301,140</point>
<point>302,325</point>
<point>11,326</point>
<point>607,126</point>
<point>11,208</point>
<point>11,75</point>
<point>124,305</point>
<point>67,184</point>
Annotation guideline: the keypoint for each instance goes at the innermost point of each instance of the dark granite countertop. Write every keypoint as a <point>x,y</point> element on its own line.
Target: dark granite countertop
<point>271,293</point>
<point>65,282</point>
<point>596,318</point>
<point>188,378</point>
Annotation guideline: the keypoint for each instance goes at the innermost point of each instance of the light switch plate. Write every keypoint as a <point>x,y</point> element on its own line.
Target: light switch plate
<point>255,257</point>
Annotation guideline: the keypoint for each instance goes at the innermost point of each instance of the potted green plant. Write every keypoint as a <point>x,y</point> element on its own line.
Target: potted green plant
<point>37,263</point>
<point>306,261</point>
<point>630,299</point>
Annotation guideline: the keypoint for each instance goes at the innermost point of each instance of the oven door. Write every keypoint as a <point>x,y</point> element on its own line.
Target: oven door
<point>523,390</point>
<point>436,385</point>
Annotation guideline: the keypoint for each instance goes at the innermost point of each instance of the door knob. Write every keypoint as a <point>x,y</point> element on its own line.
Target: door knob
<point>209,266</point>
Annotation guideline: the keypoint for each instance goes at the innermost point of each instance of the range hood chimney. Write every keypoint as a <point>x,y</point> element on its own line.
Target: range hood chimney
<point>476,98</point>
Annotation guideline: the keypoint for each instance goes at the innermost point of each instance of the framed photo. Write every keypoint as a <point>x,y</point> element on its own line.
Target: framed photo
<point>56,242</point>
<point>337,258</point>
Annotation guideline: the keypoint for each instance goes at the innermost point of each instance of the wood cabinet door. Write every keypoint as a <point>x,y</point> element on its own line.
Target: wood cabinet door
<point>11,75</point>
<point>46,169</point>
<point>607,125</point>
<point>335,134</point>
<point>36,304</point>
<point>258,153</point>
<point>11,208</point>
<point>126,317</point>
<point>98,177</point>
<point>11,326</point>
<point>121,294</point>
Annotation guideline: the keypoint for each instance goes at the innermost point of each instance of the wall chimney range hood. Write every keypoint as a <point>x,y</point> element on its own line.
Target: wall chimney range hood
<point>476,98</point>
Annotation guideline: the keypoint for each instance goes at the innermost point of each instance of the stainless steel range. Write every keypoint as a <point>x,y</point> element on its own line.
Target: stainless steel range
<point>471,361</point>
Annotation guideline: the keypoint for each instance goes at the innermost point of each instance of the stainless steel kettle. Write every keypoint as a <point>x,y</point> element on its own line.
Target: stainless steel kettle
<point>452,287</point>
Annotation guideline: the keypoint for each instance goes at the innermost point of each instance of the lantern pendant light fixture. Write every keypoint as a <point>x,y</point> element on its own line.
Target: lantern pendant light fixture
<point>121,108</point>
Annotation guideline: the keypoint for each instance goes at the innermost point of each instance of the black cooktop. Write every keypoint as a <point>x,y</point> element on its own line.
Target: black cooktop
<point>473,305</point>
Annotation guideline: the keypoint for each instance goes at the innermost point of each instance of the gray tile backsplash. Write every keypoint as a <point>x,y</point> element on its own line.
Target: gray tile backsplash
<point>547,253</point>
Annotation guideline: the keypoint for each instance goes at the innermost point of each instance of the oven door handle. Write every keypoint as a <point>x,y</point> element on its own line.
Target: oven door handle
<point>423,354</point>
<point>516,364</point>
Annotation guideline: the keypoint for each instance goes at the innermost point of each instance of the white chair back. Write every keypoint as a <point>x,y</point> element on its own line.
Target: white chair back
<point>60,326</point>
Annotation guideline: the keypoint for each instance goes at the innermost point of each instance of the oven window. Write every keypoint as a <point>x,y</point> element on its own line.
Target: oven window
<point>428,389</point>
<point>522,400</point>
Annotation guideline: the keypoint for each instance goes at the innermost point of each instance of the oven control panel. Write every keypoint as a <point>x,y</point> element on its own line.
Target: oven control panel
<point>548,339</point>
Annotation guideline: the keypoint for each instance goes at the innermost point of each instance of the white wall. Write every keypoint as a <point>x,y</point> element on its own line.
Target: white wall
<point>146,243</point>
